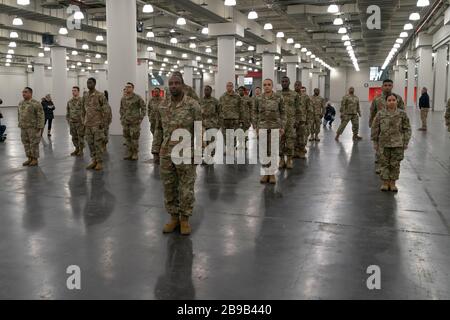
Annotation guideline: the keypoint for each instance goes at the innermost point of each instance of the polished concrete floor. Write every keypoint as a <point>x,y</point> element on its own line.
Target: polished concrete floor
<point>312,236</point>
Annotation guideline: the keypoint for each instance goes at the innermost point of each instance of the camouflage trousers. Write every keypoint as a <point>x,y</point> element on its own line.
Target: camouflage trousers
<point>106,134</point>
<point>287,141</point>
<point>315,125</point>
<point>95,137</point>
<point>179,183</point>
<point>308,128</point>
<point>389,161</point>
<point>131,134</point>
<point>301,138</point>
<point>424,117</point>
<point>30,140</point>
<point>230,124</point>
<point>345,119</point>
<point>152,126</point>
<point>77,132</point>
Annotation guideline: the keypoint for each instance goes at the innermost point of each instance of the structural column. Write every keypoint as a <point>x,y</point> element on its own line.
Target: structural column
<point>425,72</point>
<point>82,82</point>
<point>122,53</point>
<point>400,78</point>
<point>411,80</point>
<point>322,85</point>
<point>306,79</point>
<point>102,80</point>
<point>141,85</point>
<point>188,75</point>
<point>39,82</point>
<point>59,80</point>
<point>268,67</point>
<point>440,84</point>
<point>291,69</point>
<point>198,86</point>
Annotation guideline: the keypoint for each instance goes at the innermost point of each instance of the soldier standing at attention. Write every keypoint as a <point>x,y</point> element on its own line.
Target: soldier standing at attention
<point>231,111</point>
<point>247,105</point>
<point>187,89</point>
<point>447,116</point>
<point>75,120</point>
<point>318,104</point>
<point>96,112</point>
<point>270,114</point>
<point>178,111</point>
<point>306,114</point>
<point>132,112</point>
<point>210,111</point>
<point>378,104</point>
<point>152,107</point>
<point>391,132</point>
<point>31,121</point>
<point>350,111</point>
<point>292,109</point>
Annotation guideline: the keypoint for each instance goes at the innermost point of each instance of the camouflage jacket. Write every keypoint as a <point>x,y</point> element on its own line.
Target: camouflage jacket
<point>171,116</point>
<point>306,109</point>
<point>318,105</point>
<point>447,114</point>
<point>31,115</point>
<point>350,105</point>
<point>391,129</point>
<point>74,110</point>
<point>230,107</point>
<point>189,91</point>
<point>247,105</point>
<point>96,110</point>
<point>210,112</point>
<point>132,109</point>
<point>152,105</point>
<point>270,112</point>
<point>379,103</point>
<point>292,107</point>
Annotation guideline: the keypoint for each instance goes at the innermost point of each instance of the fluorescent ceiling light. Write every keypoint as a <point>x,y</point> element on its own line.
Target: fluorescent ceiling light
<point>280,34</point>
<point>23,2</point>
<point>181,21</point>
<point>347,43</point>
<point>17,22</point>
<point>63,31</point>
<point>297,46</point>
<point>342,30</point>
<point>148,8</point>
<point>251,48</point>
<point>150,34</point>
<point>338,22</point>
<point>404,35</point>
<point>408,26</point>
<point>268,26</point>
<point>414,16</point>
<point>252,15</point>
<point>205,30</point>
<point>239,44</point>
<point>12,44</point>
<point>192,45</point>
<point>290,40</point>
<point>333,8</point>
<point>173,40</point>
<point>13,35</point>
<point>345,37</point>
<point>230,3</point>
<point>99,38</point>
<point>423,3</point>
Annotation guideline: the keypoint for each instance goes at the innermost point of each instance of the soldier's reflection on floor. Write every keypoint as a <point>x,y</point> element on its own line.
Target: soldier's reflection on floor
<point>33,218</point>
<point>78,187</point>
<point>176,283</point>
<point>100,202</point>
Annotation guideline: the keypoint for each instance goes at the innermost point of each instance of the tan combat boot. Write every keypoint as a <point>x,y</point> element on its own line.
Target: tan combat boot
<point>317,138</point>
<point>272,179</point>
<point>80,153</point>
<point>34,162</point>
<point>282,164</point>
<point>290,163</point>
<point>392,186</point>
<point>385,186</point>
<point>134,156</point>
<point>185,227</point>
<point>356,137</point>
<point>92,165</point>
<point>172,224</point>
<point>264,179</point>
<point>99,166</point>
<point>302,155</point>
<point>75,153</point>
<point>27,163</point>
<point>337,137</point>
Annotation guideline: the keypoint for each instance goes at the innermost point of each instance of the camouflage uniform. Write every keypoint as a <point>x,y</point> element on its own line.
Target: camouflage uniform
<point>247,105</point>
<point>270,113</point>
<point>447,116</point>
<point>231,113</point>
<point>292,108</point>
<point>350,111</point>
<point>132,112</point>
<point>31,121</point>
<point>96,113</point>
<point>75,119</point>
<point>391,132</point>
<point>309,118</point>
<point>379,103</point>
<point>178,180</point>
<point>303,127</point>
<point>108,121</point>
<point>210,114</point>
<point>188,91</point>
<point>152,106</point>
<point>318,104</point>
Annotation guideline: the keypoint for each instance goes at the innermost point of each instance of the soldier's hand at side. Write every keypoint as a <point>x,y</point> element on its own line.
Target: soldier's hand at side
<point>282,132</point>
<point>375,146</point>
<point>405,147</point>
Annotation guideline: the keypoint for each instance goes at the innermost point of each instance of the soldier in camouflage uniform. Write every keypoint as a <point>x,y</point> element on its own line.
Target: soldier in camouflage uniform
<point>231,111</point>
<point>318,104</point>
<point>391,132</point>
<point>178,111</point>
<point>153,104</point>
<point>31,121</point>
<point>293,115</point>
<point>247,105</point>
<point>210,111</point>
<point>96,112</point>
<point>188,90</point>
<point>270,114</point>
<point>75,120</point>
<point>350,111</point>
<point>309,114</point>
<point>108,121</point>
<point>378,104</point>
<point>132,112</point>
<point>447,116</point>
<point>303,128</point>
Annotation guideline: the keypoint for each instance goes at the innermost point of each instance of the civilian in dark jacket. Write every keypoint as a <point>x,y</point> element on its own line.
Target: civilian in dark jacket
<point>424,105</point>
<point>49,107</point>
<point>330,115</point>
<point>2,127</point>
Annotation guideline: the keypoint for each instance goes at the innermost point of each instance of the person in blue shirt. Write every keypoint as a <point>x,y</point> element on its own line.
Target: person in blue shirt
<point>330,115</point>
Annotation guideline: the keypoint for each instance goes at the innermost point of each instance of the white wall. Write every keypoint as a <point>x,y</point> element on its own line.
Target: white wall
<point>338,84</point>
<point>344,78</point>
<point>12,82</point>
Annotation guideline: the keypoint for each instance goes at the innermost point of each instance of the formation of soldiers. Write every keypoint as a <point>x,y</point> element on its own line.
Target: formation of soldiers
<point>296,116</point>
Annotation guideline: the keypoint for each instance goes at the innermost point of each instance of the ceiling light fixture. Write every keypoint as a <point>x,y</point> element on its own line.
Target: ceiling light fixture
<point>17,22</point>
<point>148,8</point>
<point>268,26</point>
<point>252,15</point>
<point>338,22</point>
<point>280,34</point>
<point>181,21</point>
<point>414,16</point>
<point>342,30</point>
<point>150,34</point>
<point>230,3</point>
<point>333,9</point>
<point>13,35</point>
<point>78,15</point>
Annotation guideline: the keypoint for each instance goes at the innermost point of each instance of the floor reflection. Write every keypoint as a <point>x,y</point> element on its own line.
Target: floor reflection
<point>100,202</point>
